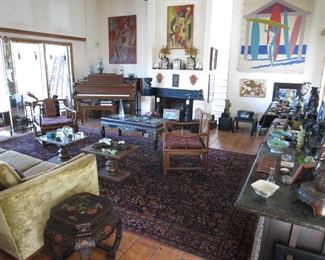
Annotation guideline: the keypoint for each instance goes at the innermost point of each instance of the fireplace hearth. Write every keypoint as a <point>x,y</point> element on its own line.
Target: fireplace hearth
<point>177,99</point>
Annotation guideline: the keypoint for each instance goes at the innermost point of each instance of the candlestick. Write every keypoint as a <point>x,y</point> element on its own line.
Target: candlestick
<point>158,99</point>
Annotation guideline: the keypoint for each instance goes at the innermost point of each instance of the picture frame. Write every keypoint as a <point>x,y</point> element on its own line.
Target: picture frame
<point>286,91</point>
<point>253,88</point>
<point>180,26</point>
<point>213,58</point>
<point>175,81</point>
<point>171,114</point>
<point>211,88</point>
<point>177,64</point>
<point>122,32</point>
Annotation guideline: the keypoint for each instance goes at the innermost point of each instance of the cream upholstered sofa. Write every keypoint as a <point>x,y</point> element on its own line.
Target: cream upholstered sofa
<point>25,207</point>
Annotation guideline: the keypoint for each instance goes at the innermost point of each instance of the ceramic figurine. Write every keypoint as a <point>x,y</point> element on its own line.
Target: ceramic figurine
<point>300,139</point>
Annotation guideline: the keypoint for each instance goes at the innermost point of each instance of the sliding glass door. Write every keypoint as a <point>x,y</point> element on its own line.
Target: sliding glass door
<point>29,69</point>
<point>58,70</point>
<point>42,68</point>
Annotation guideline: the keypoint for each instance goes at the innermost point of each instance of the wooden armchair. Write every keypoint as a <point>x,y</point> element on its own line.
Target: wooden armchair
<point>179,139</point>
<point>54,114</point>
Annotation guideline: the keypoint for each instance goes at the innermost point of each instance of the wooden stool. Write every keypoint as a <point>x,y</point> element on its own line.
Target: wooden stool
<point>80,223</point>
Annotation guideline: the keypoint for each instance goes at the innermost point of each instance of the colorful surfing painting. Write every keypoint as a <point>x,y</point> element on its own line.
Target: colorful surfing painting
<point>122,39</point>
<point>180,26</point>
<point>275,35</point>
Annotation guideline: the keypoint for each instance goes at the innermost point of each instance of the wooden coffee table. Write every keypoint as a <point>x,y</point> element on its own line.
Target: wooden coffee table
<point>111,171</point>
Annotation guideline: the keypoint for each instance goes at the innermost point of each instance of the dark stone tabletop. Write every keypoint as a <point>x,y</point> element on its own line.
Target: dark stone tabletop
<point>283,205</point>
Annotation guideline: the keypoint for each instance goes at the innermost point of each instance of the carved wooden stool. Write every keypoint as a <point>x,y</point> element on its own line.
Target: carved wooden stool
<point>80,223</point>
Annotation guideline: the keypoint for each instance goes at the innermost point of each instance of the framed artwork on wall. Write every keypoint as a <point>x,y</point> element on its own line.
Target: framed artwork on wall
<point>213,58</point>
<point>211,88</point>
<point>253,88</point>
<point>180,26</point>
<point>275,36</point>
<point>175,80</point>
<point>122,38</point>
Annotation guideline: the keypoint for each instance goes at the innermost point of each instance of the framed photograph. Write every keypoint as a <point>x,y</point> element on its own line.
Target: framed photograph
<point>180,26</point>
<point>286,91</point>
<point>171,114</point>
<point>211,88</point>
<point>177,64</point>
<point>213,58</point>
<point>253,88</point>
<point>122,32</point>
<point>190,63</point>
<point>175,80</point>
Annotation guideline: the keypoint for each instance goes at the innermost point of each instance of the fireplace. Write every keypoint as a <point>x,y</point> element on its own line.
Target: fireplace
<point>177,99</point>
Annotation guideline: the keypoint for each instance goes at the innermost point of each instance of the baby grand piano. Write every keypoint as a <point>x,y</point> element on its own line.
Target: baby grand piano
<point>103,87</point>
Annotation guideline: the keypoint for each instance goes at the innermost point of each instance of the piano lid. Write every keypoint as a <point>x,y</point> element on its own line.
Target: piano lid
<point>106,78</point>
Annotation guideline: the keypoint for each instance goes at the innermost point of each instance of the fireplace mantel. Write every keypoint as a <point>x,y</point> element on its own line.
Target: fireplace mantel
<point>178,93</point>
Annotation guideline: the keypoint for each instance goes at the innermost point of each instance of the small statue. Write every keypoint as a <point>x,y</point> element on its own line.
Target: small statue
<point>300,139</point>
<point>227,107</point>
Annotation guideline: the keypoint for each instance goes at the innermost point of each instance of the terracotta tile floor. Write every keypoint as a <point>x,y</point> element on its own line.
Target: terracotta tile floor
<point>134,246</point>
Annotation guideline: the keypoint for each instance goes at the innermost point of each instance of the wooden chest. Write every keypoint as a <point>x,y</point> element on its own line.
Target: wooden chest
<point>80,223</point>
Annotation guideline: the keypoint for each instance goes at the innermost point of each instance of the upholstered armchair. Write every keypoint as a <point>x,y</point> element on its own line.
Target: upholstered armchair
<point>185,139</point>
<point>54,114</point>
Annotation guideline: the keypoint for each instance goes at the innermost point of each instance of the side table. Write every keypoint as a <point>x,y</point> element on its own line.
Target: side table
<point>225,123</point>
<point>80,223</point>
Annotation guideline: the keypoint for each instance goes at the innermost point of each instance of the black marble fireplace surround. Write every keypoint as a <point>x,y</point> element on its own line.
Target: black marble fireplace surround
<point>176,99</point>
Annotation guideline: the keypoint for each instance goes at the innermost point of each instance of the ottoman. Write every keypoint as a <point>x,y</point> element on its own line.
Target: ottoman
<point>80,223</point>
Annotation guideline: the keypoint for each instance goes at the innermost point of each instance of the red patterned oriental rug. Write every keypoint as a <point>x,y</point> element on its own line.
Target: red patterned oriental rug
<point>188,210</point>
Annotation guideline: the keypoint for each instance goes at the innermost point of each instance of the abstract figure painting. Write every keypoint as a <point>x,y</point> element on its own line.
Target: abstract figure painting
<point>180,26</point>
<point>122,39</point>
<point>275,36</point>
<point>252,88</point>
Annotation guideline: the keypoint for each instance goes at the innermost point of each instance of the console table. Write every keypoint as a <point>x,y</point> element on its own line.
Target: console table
<point>288,223</point>
<point>144,124</point>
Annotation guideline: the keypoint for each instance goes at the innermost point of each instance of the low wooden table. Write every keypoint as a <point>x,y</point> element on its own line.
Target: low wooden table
<point>80,223</point>
<point>144,124</point>
<point>111,171</point>
<point>63,154</point>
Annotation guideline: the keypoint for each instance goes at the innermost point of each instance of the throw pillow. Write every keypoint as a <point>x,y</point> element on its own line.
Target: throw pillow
<point>8,176</point>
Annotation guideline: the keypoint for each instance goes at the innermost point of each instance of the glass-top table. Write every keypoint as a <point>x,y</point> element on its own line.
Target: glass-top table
<point>62,143</point>
<point>143,124</point>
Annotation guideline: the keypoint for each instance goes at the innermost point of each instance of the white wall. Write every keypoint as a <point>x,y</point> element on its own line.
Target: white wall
<point>73,18</point>
<point>58,17</point>
<point>313,64</point>
<point>110,8</point>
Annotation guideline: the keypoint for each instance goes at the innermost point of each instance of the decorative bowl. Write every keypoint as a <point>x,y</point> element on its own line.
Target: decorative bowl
<point>281,134</point>
<point>264,188</point>
<point>131,75</point>
<point>277,146</point>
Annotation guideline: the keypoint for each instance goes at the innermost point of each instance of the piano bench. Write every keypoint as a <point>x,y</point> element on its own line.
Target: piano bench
<point>84,109</point>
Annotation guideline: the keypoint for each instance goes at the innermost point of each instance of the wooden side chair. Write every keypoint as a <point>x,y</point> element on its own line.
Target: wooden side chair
<point>54,114</point>
<point>178,139</point>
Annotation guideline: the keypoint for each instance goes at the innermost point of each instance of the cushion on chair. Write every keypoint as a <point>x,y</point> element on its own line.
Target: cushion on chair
<point>8,176</point>
<point>60,120</point>
<point>177,142</point>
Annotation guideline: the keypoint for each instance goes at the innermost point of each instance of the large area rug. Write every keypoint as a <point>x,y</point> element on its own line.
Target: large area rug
<point>188,210</point>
